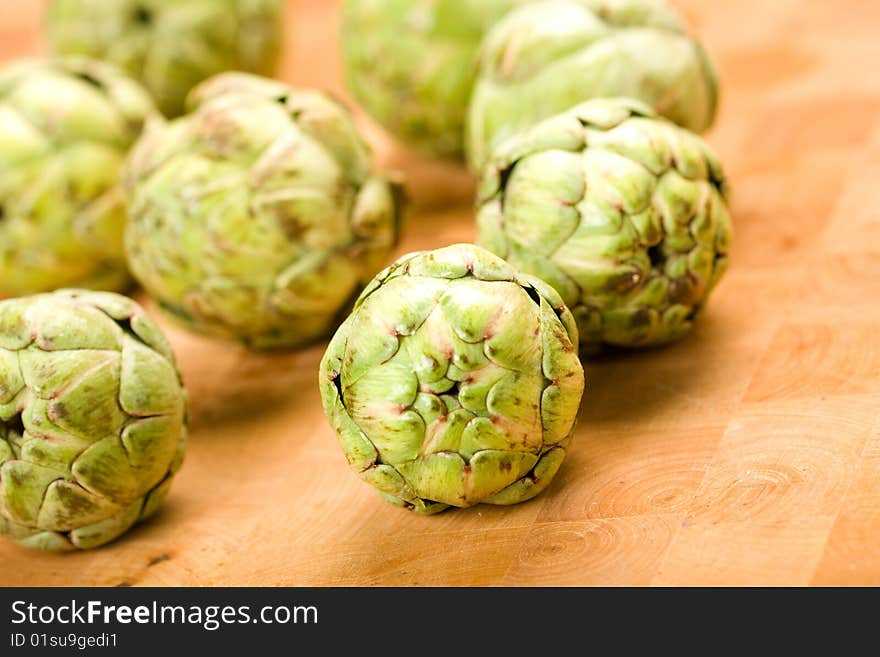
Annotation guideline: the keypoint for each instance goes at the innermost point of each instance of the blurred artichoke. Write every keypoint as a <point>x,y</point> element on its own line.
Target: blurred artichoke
<point>410,63</point>
<point>256,216</point>
<point>170,45</point>
<point>455,381</point>
<point>65,127</point>
<point>545,58</point>
<point>92,418</point>
<point>623,212</point>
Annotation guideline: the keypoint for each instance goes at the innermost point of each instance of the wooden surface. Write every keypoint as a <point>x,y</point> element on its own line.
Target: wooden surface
<point>747,454</point>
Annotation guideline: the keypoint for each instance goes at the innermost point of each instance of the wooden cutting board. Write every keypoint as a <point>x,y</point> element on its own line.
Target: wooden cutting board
<point>747,454</point>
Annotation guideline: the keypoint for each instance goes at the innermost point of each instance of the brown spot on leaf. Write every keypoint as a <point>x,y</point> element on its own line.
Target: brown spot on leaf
<point>72,502</point>
<point>57,411</point>
<point>683,290</point>
<point>624,282</point>
<point>642,317</point>
<point>17,478</point>
<point>290,224</point>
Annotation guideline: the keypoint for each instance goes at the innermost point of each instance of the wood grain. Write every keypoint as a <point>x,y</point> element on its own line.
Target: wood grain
<point>747,454</point>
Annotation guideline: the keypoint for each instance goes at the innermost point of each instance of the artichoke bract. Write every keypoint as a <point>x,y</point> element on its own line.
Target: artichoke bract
<point>410,64</point>
<point>622,212</point>
<point>92,418</point>
<point>547,57</point>
<point>65,127</point>
<point>257,216</point>
<point>455,381</point>
<point>170,45</point>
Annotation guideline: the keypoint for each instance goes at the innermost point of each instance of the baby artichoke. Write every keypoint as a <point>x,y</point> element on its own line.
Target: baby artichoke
<point>455,381</point>
<point>547,57</point>
<point>65,127</point>
<point>410,63</point>
<point>622,212</point>
<point>256,216</point>
<point>92,418</point>
<point>170,45</point>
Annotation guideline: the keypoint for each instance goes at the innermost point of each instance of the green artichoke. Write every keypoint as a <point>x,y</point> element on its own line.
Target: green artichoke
<point>170,45</point>
<point>410,63</point>
<point>92,418</point>
<point>545,58</point>
<point>622,212</point>
<point>256,216</point>
<point>65,127</point>
<point>455,381</point>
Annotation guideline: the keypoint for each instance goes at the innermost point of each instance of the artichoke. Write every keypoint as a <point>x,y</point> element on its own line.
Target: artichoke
<point>65,127</point>
<point>92,418</point>
<point>256,216</point>
<point>454,381</point>
<point>170,45</point>
<point>410,63</point>
<point>622,212</point>
<point>545,58</point>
